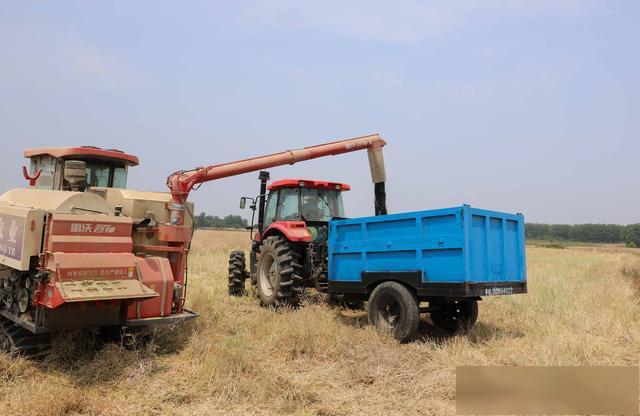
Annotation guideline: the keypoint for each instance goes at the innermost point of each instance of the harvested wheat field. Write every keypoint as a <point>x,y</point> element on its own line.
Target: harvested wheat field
<point>237,358</point>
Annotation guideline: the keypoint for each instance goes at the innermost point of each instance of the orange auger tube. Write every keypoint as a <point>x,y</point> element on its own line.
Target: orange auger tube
<point>181,182</point>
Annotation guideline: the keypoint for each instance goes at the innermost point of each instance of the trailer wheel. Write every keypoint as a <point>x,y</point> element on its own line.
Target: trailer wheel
<point>393,308</point>
<point>276,273</point>
<point>237,273</point>
<point>454,316</point>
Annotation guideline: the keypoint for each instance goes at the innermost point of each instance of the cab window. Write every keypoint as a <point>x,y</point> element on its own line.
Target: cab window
<point>321,205</point>
<point>47,166</point>
<point>98,175</point>
<point>270,210</point>
<point>289,204</point>
<point>119,178</point>
<point>106,175</point>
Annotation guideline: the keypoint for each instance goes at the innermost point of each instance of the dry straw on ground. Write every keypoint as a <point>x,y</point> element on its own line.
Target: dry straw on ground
<point>238,358</point>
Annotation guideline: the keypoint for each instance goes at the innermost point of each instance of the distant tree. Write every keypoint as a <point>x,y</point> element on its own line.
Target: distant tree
<point>213,221</point>
<point>200,220</point>
<point>234,221</point>
<point>632,235</point>
<point>588,233</point>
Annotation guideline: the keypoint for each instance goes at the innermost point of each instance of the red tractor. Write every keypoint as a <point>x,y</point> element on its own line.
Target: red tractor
<point>289,250</point>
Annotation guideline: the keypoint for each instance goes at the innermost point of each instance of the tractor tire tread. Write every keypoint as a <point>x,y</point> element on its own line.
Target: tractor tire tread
<point>237,273</point>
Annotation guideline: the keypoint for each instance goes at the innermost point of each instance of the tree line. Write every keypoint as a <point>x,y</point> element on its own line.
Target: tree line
<point>213,221</point>
<point>586,233</point>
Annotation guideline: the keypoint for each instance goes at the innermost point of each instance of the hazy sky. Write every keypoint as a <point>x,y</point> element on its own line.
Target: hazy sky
<point>521,106</point>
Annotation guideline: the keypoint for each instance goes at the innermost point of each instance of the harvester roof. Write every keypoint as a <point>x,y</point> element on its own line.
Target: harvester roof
<point>89,151</point>
<point>308,183</point>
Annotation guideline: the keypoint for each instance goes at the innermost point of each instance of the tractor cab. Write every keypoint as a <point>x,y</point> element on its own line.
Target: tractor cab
<point>304,200</point>
<point>77,168</point>
<point>298,209</point>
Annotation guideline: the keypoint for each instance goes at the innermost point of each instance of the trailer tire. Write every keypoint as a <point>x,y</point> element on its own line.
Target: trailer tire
<point>277,273</point>
<point>237,273</point>
<point>394,308</point>
<point>454,316</point>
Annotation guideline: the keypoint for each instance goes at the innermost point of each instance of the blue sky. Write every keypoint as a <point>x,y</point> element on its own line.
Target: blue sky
<point>522,106</point>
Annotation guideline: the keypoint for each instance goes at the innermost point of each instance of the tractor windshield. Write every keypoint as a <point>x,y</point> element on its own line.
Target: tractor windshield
<point>306,204</point>
<point>320,204</point>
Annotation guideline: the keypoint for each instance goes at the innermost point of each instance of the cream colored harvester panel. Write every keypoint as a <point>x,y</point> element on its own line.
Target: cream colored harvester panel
<point>20,236</point>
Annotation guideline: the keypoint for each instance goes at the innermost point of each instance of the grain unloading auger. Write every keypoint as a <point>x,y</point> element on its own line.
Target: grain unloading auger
<point>79,251</point>
<point>182,182</point>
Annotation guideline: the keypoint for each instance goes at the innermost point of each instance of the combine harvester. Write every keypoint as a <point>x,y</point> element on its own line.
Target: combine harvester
<point>80,251</point>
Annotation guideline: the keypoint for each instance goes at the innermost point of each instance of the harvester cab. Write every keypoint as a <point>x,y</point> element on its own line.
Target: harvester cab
<point>79,251</point>
<point>77,168</point>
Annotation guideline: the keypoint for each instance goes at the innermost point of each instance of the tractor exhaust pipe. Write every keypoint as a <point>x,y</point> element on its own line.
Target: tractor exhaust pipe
<point>264,178</point>
<point>379,177</point>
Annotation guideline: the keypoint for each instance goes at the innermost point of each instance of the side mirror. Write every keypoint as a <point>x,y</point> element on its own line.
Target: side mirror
<point>243,202</point>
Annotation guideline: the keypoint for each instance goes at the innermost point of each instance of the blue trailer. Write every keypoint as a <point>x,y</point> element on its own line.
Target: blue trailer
<point>449,258</point>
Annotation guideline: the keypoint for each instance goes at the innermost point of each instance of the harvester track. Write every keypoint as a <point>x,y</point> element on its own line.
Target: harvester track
<point>14,339</point>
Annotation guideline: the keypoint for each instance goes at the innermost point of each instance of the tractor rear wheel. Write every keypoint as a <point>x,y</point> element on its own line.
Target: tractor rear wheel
<point>454,316</point>
<point>278,273</point>
<point>237,273</point>
<point>393,308</point>
<point>14,339</point>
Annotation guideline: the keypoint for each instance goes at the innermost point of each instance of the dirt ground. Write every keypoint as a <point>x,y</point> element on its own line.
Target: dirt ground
<point>238,358</point>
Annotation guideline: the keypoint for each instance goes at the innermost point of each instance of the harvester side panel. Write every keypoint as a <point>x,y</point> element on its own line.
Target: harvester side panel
<point>20,236</point>
<point>154,272</point>
<point>89,234</point>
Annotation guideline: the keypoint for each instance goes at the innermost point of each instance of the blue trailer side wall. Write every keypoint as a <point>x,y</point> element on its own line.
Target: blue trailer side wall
<point>452,245</point>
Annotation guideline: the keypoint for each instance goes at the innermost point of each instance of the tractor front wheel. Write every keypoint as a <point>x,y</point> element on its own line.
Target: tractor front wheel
<point>237,273</point>
<point>277,273</point>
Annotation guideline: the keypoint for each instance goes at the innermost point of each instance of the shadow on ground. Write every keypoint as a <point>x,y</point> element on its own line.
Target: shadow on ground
<point>91,358</point>
<point>481,333</point>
